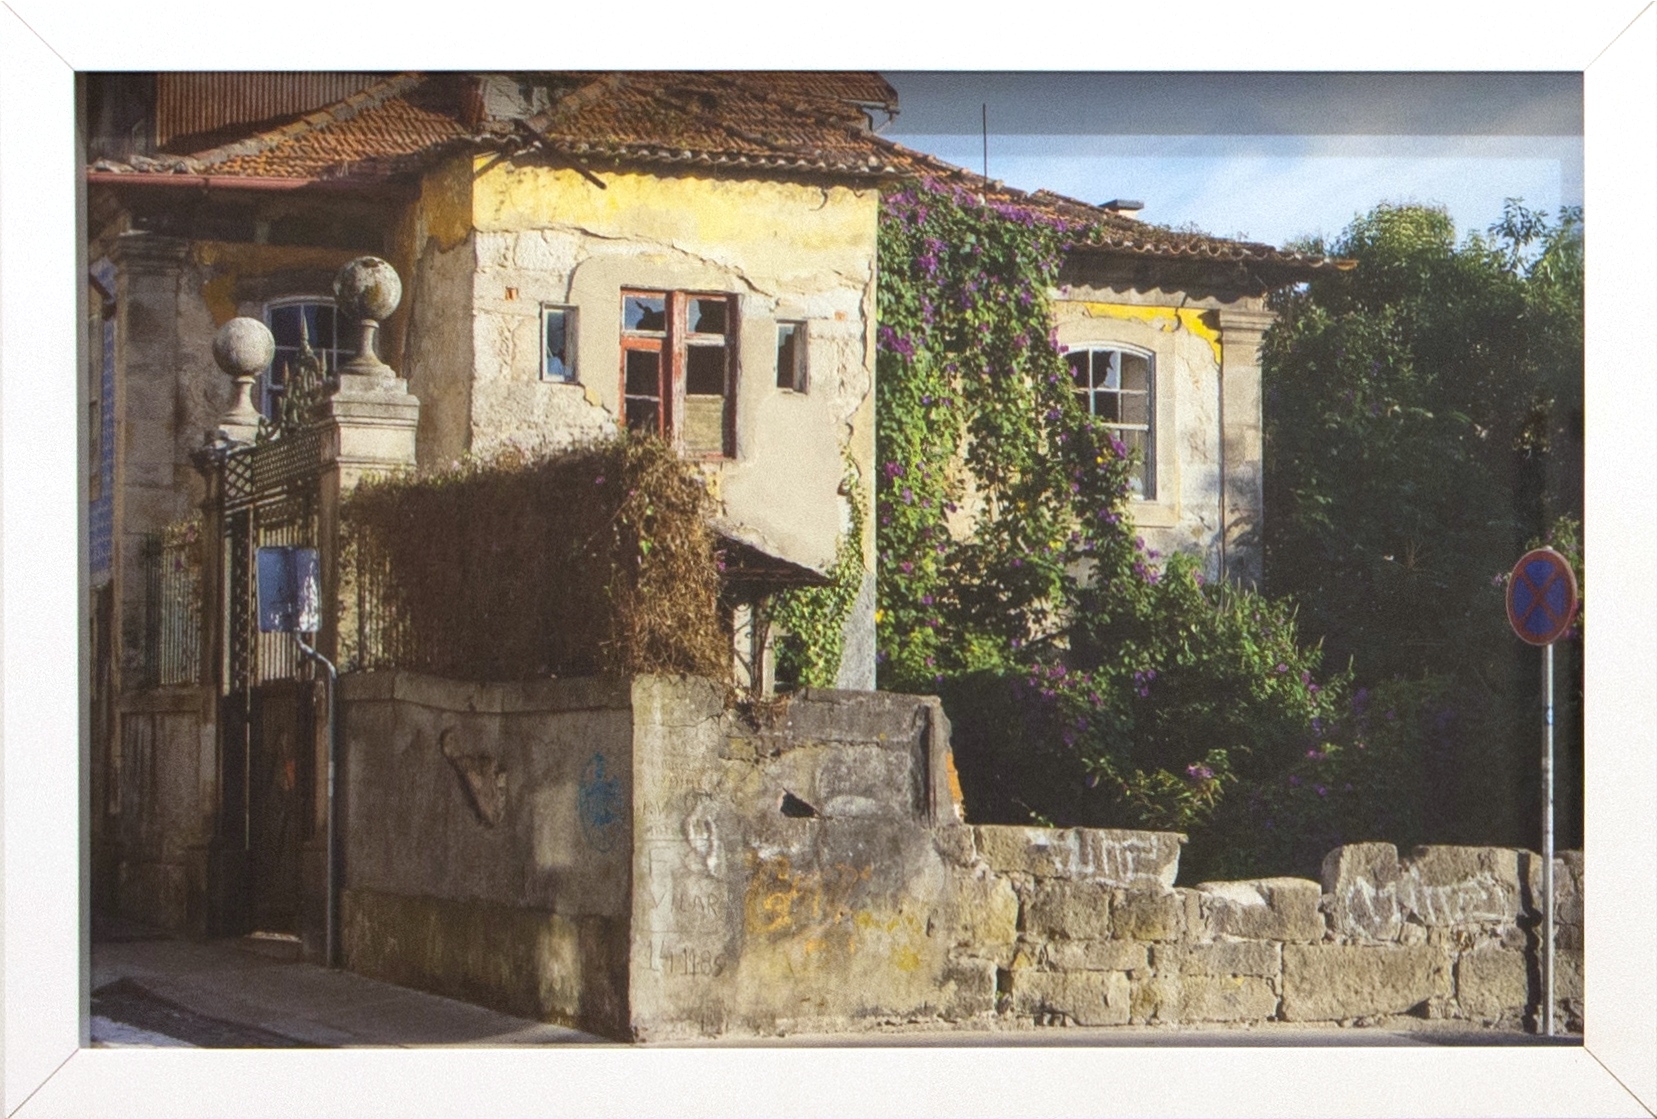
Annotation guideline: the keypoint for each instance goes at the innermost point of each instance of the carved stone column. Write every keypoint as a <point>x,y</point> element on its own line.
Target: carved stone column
<point>1242,442</point>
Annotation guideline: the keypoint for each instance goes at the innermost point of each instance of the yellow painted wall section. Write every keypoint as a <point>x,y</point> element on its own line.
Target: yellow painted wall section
<point>228,262</point>
<point>739,216</point>
<point>1167,319</point>
<point>444,211</point>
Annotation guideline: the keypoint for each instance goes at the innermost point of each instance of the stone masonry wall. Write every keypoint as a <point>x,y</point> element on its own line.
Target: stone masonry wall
<point>1446,933</point>
<point>651,860</point>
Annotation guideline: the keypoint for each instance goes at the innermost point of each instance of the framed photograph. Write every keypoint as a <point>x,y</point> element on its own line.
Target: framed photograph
<point>1239,180</point>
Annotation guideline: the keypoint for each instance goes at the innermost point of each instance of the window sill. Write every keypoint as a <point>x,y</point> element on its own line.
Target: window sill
<point>1153,513</point>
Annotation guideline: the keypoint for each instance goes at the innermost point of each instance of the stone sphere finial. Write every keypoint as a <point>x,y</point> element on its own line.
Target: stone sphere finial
<point>367,288</point>
<point>243,347</point>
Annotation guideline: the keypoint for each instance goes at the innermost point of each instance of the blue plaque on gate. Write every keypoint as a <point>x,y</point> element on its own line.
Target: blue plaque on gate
<point>290,590</point>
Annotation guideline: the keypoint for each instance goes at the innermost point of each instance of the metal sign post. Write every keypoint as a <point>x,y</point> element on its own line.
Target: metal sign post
<point>290,601</point>
<point>1541,603</point>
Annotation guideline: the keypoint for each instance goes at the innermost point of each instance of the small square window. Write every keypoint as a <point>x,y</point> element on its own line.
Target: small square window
<point>791,354</point>
<point>558,344</point>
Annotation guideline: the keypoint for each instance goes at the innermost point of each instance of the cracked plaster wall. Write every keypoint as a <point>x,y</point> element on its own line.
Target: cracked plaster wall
<point>786,251</point>
<point>654,863</point>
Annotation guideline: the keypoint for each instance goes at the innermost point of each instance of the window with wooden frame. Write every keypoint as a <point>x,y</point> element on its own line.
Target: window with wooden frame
<point>1118,386</point>
<point>678,376</point>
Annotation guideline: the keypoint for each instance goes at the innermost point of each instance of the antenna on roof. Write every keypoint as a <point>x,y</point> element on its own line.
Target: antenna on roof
<point>986,121</point>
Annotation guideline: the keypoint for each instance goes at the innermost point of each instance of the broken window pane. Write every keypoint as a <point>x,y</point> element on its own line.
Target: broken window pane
<point>643,414</point>
<point>707,316</point>
<point>557,360</point>
<point>1118,387</point>
<point>791,350</point>
<point>705,370</point>
<point>644,377</point>
<point>644,312</point>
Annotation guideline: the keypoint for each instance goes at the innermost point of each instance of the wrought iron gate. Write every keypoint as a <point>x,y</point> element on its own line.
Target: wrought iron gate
<point>270,495</point>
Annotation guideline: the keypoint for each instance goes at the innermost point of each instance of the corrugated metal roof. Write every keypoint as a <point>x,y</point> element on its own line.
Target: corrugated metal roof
<point>192,104</point>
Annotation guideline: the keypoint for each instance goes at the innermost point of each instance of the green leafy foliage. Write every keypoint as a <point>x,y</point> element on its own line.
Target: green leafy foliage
<point>1414,408</point>
<point>1088,683</point>
<point>1423,422</point>
<point>813,619</point>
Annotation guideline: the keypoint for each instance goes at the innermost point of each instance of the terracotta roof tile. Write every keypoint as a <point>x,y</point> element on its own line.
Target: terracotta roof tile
<point>1108,231</point>
<point>774,122</point>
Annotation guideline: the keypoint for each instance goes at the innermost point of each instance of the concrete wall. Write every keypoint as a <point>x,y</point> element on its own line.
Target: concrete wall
<point>487,837</point>
<point>802,867</point>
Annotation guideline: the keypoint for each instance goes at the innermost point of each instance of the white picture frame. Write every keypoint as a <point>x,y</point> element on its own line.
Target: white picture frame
<point>49,1072</point>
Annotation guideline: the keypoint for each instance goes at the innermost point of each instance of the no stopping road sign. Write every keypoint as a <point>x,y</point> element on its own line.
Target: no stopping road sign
<point>1541,596</point>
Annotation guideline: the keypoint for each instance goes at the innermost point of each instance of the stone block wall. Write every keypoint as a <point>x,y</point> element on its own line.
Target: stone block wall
<point>652,860</point>
<point>1446,933</point>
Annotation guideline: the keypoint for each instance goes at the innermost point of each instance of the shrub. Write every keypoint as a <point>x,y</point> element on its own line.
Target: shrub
<point>598,559</point>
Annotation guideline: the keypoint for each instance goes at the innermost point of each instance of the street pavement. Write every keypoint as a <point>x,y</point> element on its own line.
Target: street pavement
<point>255,993</point>
<point>151,989</point>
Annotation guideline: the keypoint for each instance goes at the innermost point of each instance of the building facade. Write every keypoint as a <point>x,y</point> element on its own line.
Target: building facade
<point>693,254</point>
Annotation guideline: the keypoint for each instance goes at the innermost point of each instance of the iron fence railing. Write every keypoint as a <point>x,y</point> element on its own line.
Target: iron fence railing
<point>170,650</point>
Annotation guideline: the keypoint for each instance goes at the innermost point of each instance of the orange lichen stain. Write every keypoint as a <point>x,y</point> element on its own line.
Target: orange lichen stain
<point>956,796</point>
<point>780,900</point>
<point>768,905</point>
<point>217,294</point>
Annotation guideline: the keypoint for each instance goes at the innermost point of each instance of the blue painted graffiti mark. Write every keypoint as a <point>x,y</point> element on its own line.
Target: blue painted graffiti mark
<point>598,802</point>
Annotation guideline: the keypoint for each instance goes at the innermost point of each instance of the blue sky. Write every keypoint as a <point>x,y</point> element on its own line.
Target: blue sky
<point>1267,156</point>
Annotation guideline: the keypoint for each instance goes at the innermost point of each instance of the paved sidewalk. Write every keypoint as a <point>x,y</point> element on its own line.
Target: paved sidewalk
<point>241,993</point>
<point>150,989</point>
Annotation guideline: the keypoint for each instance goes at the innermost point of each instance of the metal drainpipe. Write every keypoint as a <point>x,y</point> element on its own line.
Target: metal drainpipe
<point>1221,380</point>
<point>330,940</point>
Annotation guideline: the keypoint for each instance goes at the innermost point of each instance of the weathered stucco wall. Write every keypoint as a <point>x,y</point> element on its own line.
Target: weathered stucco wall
<point>802,867</point>
<point>1207,409</point>
<point>787,251</point>
<point>789,874</point>
<point>487,840</point>
<point>435,238</point>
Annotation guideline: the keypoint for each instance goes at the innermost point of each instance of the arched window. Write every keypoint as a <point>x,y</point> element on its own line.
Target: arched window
<point>1118,385</point>
<point>293,322</point>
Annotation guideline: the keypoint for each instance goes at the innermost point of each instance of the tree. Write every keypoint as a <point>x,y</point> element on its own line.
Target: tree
<point>1423,425</point>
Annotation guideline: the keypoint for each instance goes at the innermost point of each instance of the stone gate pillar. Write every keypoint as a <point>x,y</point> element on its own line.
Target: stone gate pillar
<point>367,424</point>
<point>1241,330</point>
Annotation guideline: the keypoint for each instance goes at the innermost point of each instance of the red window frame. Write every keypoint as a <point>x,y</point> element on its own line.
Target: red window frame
<point>671,345</point>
